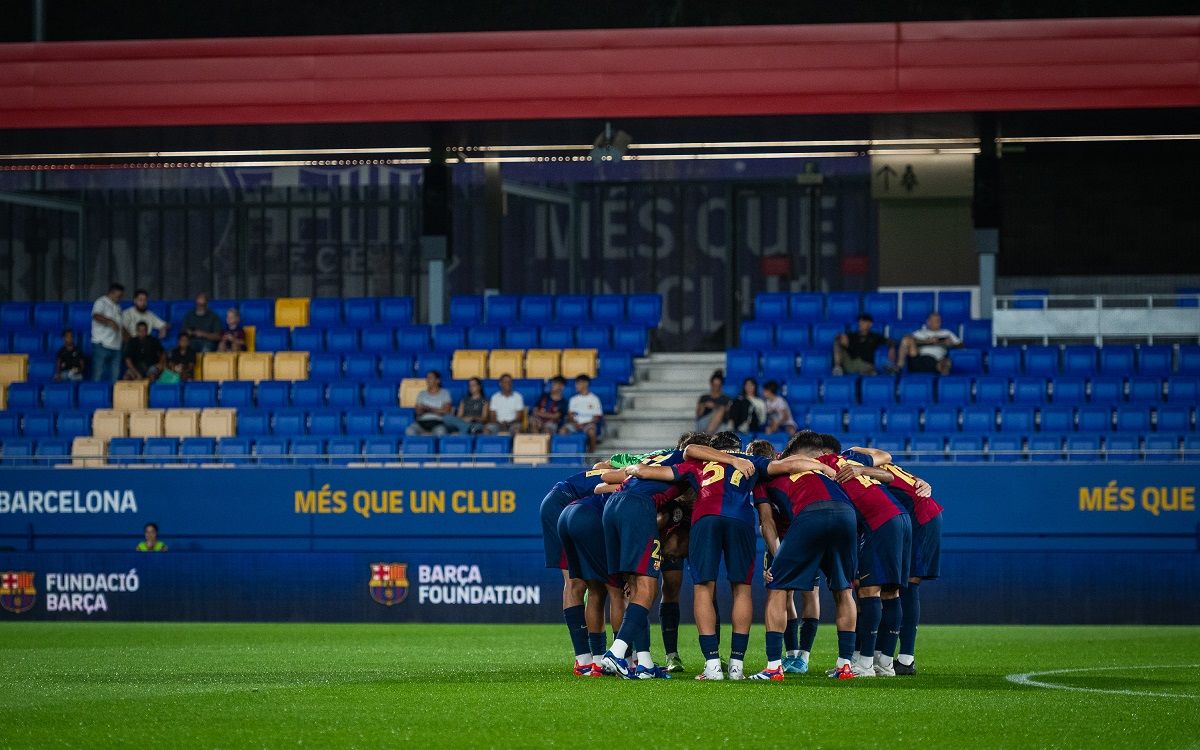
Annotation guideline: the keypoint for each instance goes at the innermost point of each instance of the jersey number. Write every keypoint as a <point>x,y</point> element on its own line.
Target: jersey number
<point>715,472</point>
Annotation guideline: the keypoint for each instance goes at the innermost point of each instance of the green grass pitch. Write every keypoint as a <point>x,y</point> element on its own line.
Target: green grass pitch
<point>328,686</point>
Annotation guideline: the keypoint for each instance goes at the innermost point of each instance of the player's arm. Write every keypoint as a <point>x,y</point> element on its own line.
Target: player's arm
<point>923,488</point>
<point>850,471</point>
<point>605,488</point>
<point>655,473</point>
<point>705,454</point>
<point>766,521</point>
<point>878,457</point>
<point>614,476</point>
<point>797,465</point>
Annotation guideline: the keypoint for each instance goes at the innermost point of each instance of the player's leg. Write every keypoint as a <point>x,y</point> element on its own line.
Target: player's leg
<point>889,631</point>
<point>810,617</point>
<point>575,519</point>
<point>704,564</point>
<point>926,564</point>
<point>668,614</point>
<point>738,547</point>
<point>775,619</point>
<point>795,565</point>
<point>633,522</point>
<point>839,561</point>
<point>892,550</point>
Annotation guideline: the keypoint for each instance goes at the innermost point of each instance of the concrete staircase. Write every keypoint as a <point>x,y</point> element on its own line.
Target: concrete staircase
<point>661,403</point>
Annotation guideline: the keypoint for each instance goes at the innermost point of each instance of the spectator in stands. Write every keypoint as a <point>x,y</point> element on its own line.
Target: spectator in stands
<point>140,313</point>
<point>233,337</point>
<point>926,348</point>
<point>108,337</point>
<point>433,404</point>
<point>69,362</point>
<point>712,407</point>
<point>779,414</point>
<point>144,356</point>
<point>748,412</point>
<point>202,325</point>
<point>152,542</point>
<point>507,407</point>
<point>550,409</point>
<point>182,360</point>
<point>855,352</point>
<point>473,412</point>
<point>584,411</point>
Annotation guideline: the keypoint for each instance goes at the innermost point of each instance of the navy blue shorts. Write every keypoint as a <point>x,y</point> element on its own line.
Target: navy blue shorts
<point>885,553</point>
<point>823,537</point>
<point>553,503</point>
<point>581,529</point>
<point>927,549</point>
<point>716,538</point>
<point>631,535</point>
<point>669,564</point>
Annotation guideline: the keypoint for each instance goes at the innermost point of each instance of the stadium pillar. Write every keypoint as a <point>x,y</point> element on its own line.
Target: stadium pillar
<point>493,209</point>
<point>986,210</point>
<point>435,227</point>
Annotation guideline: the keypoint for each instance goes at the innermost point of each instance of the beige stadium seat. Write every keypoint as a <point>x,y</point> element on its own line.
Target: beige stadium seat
<point>218,423</point>
<point>251,337</point>
<point>506,361</point>
<point>88,451</point>
<point>577,362</point>
<point>131,395</point>
<point>291,366</point>
<point>3,395</point>
<point>409,388</point>
<point>469,363</point>
<point>543,364</point>
<point>530,449</point>
<point>146,423</point>
<point>218,366</point>
<point>291,312</point>
<point>254,366</point>
<point>14,368</point>
<point>109,423</point>
<point>181,423</point>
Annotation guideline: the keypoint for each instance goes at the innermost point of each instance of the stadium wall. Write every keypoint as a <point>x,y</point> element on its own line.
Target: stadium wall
<point>1053,544</point>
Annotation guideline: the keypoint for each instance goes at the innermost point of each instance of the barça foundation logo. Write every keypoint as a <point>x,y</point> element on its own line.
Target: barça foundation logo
<point>389,582</point>
<point>17,593</point>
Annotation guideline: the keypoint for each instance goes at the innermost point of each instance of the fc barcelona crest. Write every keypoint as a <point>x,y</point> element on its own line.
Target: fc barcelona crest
<point>17,593</point>
<point>389,582</point>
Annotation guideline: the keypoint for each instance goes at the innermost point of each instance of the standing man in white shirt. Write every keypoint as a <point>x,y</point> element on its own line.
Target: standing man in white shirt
<point>108,336</point>
<point>508,408</point>
<point>926,348</point>
<point>140,313</point>
<point>584,411</point>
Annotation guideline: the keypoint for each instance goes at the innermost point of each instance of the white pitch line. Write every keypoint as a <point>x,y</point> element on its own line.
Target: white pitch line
<point>1027,679</point>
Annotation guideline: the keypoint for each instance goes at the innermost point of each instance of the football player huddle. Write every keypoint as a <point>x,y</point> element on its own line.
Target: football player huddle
<point>868,526</point>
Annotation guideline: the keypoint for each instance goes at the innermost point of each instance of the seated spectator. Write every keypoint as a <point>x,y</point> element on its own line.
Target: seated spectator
<point>550,409</point>
<point>233,337</point>
<point>711,407</point>
<point>584,411</point>
<point>144,356</point>
<point>182,360</point>
<point>152,543</point>
<point>433,404</point>
<point>202,326</point>
<point>507,407</point>
<point>69,362</point>
<point>779,414</point>
<point>926,348</point>
<point>748,412</point>
<point>108,337</point>
<point>855,352</point>
<point>139,313</point>
<point>473,412</point>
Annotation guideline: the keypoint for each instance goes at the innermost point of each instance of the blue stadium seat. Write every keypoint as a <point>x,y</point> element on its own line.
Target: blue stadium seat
<point>1034,299</point>
<point>915,308</point>
<point>1045,447</point>
<point>1155,360</point>
<point>966,448</point>
<point>1123,448</point>
<point>6,342</point>
<point>1183,390</point>
<point>593,337</point>
<point>807,307</point>
<point>380,449</point>
<point>1083,448</point>
<point>394,420</point>
<point>483,337</point>
<point>521,337</point>
<point>324,312</point>
<point>203,394</point>
<point>26,341</point>
<point>413,338</point>
<point>816,363</point>
<point>893,444</point>
<point>1017,419</point>
<point>448,338</point>
<point>571,445</point>
<point>884,307</point>
<point>234,450</point>
<point>271,451</point>
<point>1133,419</point>
<point>1162,447</point>
<point>95,396</point>
<point>1189,360</point>
<point>432,362</point>
<point>166,395</point>
<point>198,449</point>
<point>1041,361</point>
<point>1067,390</point>
<point>793,336</point>
<point>864,419</point>
<point>79,316</point>
<point>626,338</point>
<point>608,309</point>
<point>360,312</point>
<point>259,313</point>
<point>41,368</point>
<point>396,311</point>
<point>121,451</point>
<point>607,393</point>
<point>16,315</point>
<point>826,419</point>
<point>976,419</point>
<point>839,391</point>
<point>991,390</point>
<point>1005,448</point>
<point>179,309</point>
<point>903,420</point>
<point>842,307</point>
<point>801,393</point>
<point>361,366</point>
<point>571,309</point>
<point>777,439</point>
<point>1145,390</point>
<point>915,389</point>
<point>563,337</point>
<point>49,316</point>
<point>537,309</point>
<point>466,310</point>
<point>378,340</point>
<point>341,340</point>
<point>343,395</point>
<point>26,395</point>
<point>324,367</point>
<point>59,395</point>
<point>616,366</point>
<point>1079,360</point>
<point>757,334</point>
<point>306,394</point>
<point>1191,446</point>
<point>955,307</point>
<point>977,334</point>
<point>770,307</point>
<point>494,448</point>
<point>1173,418</point>
<point>967,361</point>
<point>531,390</point>
<point>1106,390</point>
<point>824,333</point>
<point>395,366</point>
<point>325,422</point>
<point>362,422</point>
<point>1031,391</point>
<point>344,450</point>
<point>457,446</point>
<point>1004,360</point>
<point>1095,418</point>
<point>928,448</point>
<point>271,339</point>
<point>848,439</point>
<point>1116,360</point>
<point>779,364</point>
<point>289,423</point>
<point>1058,419</point>
<point>645,310</point>
<point>73,424</point>
<point>308,339</point>
<point>160,450</point>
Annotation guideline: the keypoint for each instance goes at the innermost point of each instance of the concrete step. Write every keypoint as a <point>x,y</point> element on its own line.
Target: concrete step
<point>677,402</point>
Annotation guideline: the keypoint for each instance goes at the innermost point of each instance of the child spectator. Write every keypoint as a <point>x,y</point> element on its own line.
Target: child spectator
<point>69,362</point>
<point>584,411</point>
<point>551,408</point>
<point>233,338</point>
<point>182,360</point>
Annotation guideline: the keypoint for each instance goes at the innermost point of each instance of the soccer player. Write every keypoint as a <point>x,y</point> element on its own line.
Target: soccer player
<point>631,538</point>
<point>883,557</point>
<point>675,520</point>
<point>917,497</point>
<point>581,532</point>
<point>821,535</point>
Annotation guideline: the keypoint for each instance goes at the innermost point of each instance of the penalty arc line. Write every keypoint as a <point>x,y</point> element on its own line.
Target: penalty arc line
<point>1027,679</point>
